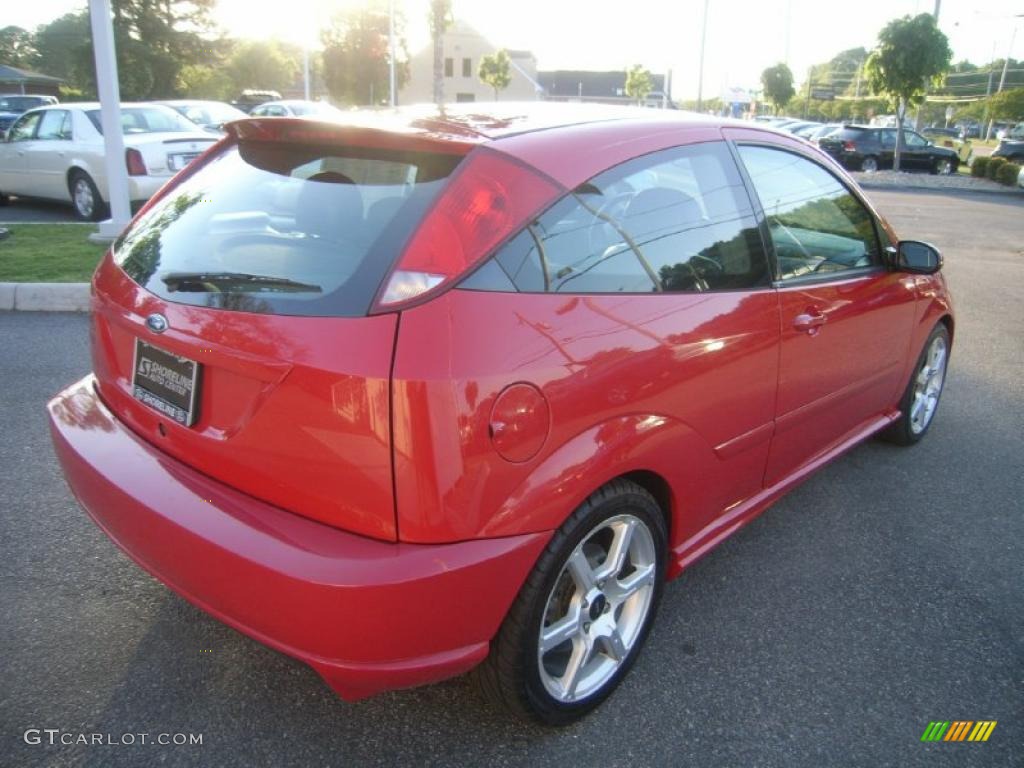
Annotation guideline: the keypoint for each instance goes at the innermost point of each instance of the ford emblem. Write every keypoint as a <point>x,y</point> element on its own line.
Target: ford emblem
<point>156,322</point>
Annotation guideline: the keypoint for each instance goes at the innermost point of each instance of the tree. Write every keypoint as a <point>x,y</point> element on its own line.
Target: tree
<point>17,48</point>
<point>777,85</point>
<point>638,83</point>
<point>440,18</point>
<point>200,81</point>
<point>357,55</point>
<point>262,65</point>
<point>1007,105</point>
<point>495,71</point>
<point>911,53</point>
<point>62,46</point>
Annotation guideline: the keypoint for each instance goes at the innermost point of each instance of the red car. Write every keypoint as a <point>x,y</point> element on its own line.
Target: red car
<point>416,394</point>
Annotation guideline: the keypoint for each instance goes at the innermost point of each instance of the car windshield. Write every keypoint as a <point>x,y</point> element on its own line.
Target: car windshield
<point>283,228</point>
<point>22,103</point>
<point>146,120</point>
<point>210,114</point>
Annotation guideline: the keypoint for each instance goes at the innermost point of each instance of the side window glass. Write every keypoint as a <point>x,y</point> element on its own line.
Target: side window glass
<point>888,139</point>
<point>25,128</point>
<point>51,125</point>
<point>817,226</point>
<point>676,220</point>
<point>915,140</point>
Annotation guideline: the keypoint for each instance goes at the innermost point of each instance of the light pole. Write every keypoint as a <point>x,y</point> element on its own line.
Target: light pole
<point>110,119</point>
<point>391,52</point>
<point>700,70</point>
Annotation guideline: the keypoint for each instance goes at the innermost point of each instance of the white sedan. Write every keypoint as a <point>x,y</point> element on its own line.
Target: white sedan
<point>57,153</point>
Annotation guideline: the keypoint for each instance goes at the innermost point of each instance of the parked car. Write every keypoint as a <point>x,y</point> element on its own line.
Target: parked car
<point>951,138</point>
<point>822,131</point>
<point>402,397</point>
<point>799,125</point>
<point>866,148</point>
<point>14,104</point>
<point>1011,149</point>
<point>250,98</point>
<point>57,153</point>
<point>209,115</point>
<point>295,108</point>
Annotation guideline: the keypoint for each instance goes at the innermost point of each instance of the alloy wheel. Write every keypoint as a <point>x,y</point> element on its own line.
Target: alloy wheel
<point>85,202</point>
<point>597,608</point>
<point>928,385</point>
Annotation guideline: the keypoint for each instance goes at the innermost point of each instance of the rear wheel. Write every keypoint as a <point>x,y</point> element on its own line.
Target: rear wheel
<point>921,399</point>
<point>583,615</point>
<point>869,164</point>
<point>85,197</point>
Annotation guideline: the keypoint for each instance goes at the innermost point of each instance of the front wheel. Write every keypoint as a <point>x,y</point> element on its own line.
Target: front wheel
<point>869,164</point>
<point>943,167</point>
<point>921,398</point>
<point>583,615</point>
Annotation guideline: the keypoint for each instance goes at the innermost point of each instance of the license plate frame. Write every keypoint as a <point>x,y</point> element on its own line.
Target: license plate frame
<point>169,382</point>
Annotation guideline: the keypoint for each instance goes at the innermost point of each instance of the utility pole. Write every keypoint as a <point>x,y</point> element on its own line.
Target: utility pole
<point>305,69</point>
<point>700,71</point>
<point>807,98</point>
<point>1002,78</point>
<point>391,52</point>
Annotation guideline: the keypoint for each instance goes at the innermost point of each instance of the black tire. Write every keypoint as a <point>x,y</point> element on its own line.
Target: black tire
<point>98,208</point>
<point>939,167</point>
<point>869,164</point>
<point>906,430</point>
<point>511,676</point>
<point>4,199</point>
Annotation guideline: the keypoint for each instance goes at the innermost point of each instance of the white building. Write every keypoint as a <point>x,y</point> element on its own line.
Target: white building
<point>463,49</point>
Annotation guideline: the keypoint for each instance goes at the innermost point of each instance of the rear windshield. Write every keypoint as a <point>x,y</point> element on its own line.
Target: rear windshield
<point>849,133</point>
<point>283,228</point>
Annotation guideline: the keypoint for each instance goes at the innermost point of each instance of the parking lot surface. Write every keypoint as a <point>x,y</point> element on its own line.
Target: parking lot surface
<point>883,594</point>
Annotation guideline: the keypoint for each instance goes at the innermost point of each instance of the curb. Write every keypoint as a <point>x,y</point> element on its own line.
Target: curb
<point>1006,192</point>
<point>45,297</point>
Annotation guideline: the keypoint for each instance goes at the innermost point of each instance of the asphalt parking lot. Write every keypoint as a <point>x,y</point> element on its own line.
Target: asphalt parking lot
<point>884,593</point>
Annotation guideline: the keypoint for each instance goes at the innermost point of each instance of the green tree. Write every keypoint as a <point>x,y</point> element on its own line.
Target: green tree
<point>638,83</point>
<point>356,56</point>
<point>17,48</point>
<point>439,19</point>
<point>495,71</point>
<point>1007,105</point>
<point>777,85</point>
<point>263,65</point>
<point>911,53</point>
<point>200,81</point>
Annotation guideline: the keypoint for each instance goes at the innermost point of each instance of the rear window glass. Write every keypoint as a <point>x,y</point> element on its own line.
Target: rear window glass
<point>849,133</point>
<point>283,228</point>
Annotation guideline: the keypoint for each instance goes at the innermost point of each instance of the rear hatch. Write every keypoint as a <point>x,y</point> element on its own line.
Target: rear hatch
<point>842,140</point>
<point>231,326</point>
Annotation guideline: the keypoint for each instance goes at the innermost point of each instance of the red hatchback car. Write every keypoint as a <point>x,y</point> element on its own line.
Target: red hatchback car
<point>413,394</point>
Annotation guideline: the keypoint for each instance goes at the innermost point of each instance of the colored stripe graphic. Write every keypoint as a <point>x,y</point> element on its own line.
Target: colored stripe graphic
<point>958,730</point>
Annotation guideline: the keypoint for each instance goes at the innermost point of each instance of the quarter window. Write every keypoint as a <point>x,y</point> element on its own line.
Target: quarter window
<point>675,220</point>
<point>817,226</point>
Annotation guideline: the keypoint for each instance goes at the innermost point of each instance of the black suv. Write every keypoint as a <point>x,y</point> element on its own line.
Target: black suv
<point>12,105</point>
<point>866,148</point>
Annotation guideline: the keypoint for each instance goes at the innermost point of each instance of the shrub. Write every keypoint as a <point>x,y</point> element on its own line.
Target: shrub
<point>993,166</point>
<point>1008,173</point>
<point>979,167</point>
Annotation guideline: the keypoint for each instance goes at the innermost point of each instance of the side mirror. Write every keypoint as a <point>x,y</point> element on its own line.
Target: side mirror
<point>917,257</point>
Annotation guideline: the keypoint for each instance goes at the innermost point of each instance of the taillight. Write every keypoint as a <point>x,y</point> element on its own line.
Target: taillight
<point>487,200</point>
<point>849,146</point>
<point>136,165</point>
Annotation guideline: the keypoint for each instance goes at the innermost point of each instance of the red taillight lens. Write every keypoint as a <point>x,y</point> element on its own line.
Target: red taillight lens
<point>136,165</point>
<point>849,146</point>
<point>487,200</point>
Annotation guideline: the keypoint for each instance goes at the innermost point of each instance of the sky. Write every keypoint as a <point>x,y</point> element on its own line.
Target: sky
<point>743,38</point>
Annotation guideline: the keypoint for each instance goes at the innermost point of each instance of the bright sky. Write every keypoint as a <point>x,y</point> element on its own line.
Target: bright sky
<point>742,37</point>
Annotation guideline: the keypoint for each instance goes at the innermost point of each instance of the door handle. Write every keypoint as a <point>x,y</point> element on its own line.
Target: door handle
<point>810,321</point>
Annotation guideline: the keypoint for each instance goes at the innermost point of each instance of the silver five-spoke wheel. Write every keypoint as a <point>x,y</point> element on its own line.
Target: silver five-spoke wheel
<point>928,385</point>
<point>597,608</point>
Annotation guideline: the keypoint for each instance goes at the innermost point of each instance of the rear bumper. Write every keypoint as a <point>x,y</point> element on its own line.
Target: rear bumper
<point>141,188</point>
<point>367,615</point>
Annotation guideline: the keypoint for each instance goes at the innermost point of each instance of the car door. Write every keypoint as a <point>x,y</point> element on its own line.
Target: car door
<point>846,319</point>
<point>886,142</point>
<point>48,155</point>
<point>14,175</point>
<point>646,292</point>
<point>917,152</point>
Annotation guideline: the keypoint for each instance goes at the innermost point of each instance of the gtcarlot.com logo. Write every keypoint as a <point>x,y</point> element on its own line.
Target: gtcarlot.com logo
<point>58,737</point>
<point>958,730</point>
